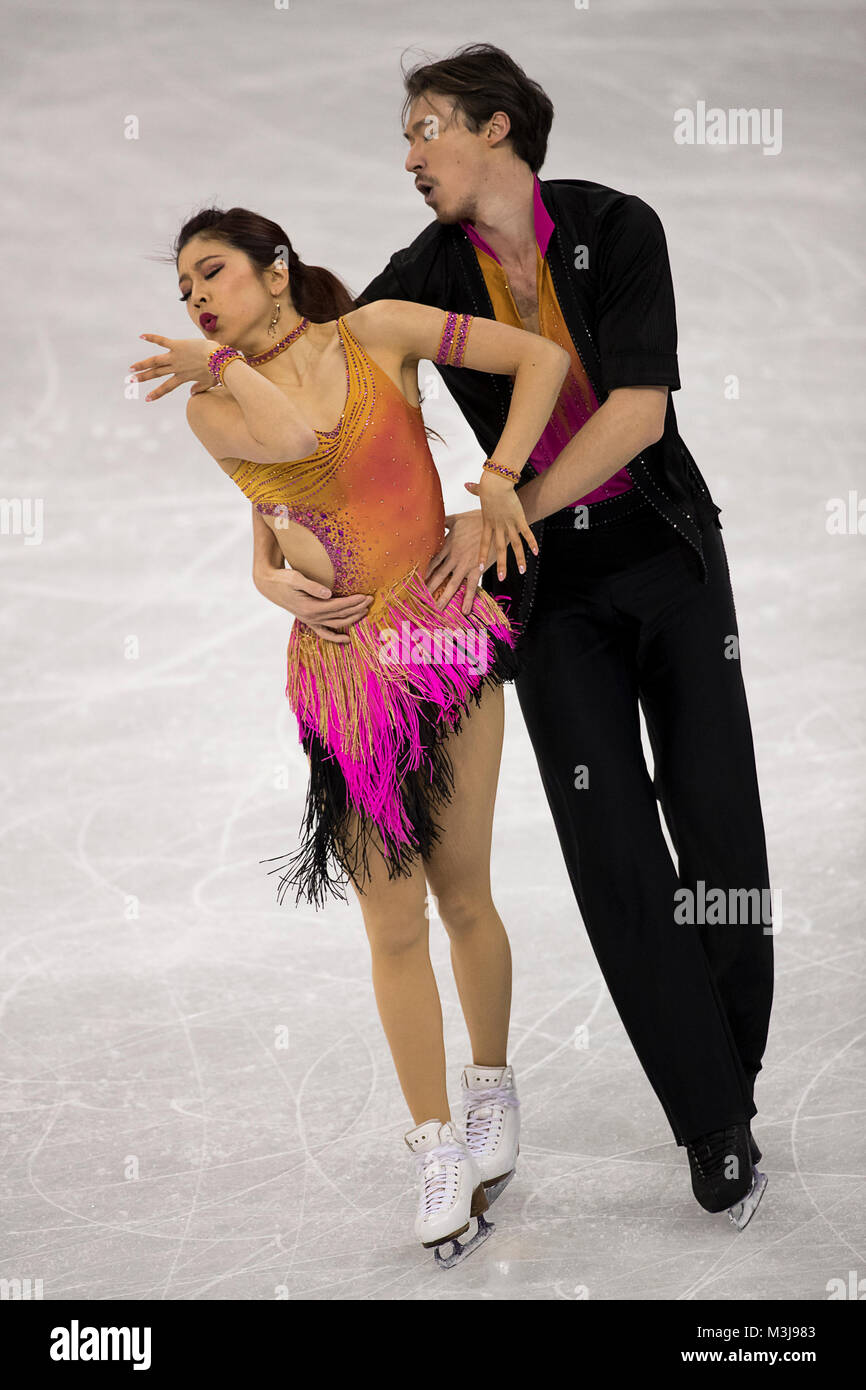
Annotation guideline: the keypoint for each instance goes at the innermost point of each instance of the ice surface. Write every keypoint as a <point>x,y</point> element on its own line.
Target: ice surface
<point>198,1099</point>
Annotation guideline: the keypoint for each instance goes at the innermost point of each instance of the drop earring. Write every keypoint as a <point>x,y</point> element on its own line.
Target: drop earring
<point>272,326</point>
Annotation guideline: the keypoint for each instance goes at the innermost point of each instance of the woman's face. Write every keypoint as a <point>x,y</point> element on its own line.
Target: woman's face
<point>224,294</point>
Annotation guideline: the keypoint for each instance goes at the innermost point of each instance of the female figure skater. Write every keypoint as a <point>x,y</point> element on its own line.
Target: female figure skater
<point>402,787</point>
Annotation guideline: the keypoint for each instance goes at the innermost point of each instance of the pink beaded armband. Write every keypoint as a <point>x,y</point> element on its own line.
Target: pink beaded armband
<point>219,360</point>
<point>452,343</point>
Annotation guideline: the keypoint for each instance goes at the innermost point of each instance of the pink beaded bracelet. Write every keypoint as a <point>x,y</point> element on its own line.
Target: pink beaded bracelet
<point>219,360</point>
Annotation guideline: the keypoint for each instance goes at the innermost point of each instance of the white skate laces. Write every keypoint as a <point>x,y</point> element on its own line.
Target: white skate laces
<point>459,1180</point>
<point>438,1167</point>
<point>479,1108</point>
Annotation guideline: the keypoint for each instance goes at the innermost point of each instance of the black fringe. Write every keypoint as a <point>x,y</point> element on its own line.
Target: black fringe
<point>326,862</point>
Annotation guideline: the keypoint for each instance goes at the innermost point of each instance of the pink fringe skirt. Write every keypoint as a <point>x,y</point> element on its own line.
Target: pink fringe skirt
<point>373,717</point>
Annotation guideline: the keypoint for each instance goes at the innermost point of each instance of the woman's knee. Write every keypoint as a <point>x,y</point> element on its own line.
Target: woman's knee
<point>395,934</point>
<point>461,907</point>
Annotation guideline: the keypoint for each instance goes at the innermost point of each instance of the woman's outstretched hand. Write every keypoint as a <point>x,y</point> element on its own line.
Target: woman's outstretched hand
<point>185,360</point>
<point>504,522</point>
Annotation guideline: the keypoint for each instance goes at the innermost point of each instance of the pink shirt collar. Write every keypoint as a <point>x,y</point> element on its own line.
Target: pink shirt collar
<point>543,225</point>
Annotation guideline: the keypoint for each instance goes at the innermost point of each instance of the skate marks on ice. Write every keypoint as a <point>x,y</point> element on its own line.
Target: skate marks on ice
<point>157,1142</point>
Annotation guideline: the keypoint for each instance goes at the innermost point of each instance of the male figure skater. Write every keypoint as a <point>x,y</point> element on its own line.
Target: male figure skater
<point>629,601</point>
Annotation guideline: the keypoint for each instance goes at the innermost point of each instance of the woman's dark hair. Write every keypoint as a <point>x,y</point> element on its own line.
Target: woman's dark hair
<point>482,79</point>
<point>316,292</point>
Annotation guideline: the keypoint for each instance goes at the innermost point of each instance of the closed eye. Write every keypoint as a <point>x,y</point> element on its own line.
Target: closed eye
<point>184,297</point>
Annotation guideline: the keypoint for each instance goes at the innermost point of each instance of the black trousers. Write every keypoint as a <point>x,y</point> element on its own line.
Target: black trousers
<point>621,616</point>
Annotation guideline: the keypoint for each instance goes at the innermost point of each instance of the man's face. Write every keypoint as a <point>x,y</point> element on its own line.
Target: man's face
<point>444,157</point>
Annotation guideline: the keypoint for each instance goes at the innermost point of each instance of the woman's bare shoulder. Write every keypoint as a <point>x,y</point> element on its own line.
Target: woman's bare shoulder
<point>394,326</point>
<point>373,322</point>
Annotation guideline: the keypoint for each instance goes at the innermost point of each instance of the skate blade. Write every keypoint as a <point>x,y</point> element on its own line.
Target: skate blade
<point>459,1253</point>
<point>479,1204</point>
<point>496,1186</point>
<point>742,1212</point>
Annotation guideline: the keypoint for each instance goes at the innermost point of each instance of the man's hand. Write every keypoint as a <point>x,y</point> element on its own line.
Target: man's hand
<point>458,559</point>
<point>311,602</point>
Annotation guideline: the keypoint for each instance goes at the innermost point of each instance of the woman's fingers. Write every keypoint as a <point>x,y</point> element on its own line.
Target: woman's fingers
<point>154,366</point>
<point>514,538</point>
<point>163,390</point>
<point>501,553</point>
<point>529,536</point>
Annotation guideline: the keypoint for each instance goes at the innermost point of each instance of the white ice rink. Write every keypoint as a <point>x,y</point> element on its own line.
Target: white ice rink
<point>198,1101</point>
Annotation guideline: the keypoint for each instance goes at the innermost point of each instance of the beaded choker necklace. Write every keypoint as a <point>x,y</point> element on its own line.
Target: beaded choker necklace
<point>281,345</point>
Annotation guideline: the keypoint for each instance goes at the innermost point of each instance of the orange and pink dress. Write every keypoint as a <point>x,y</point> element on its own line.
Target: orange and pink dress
<point>373,714</point>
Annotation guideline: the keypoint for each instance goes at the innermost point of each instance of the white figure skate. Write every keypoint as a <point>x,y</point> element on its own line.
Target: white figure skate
<point>492,1124</point>
<point>451,1191</point>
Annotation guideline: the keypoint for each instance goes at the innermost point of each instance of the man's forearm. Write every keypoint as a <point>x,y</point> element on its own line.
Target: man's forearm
<point>263,570</point>
<point>267,554</point>
<point>612,436</point>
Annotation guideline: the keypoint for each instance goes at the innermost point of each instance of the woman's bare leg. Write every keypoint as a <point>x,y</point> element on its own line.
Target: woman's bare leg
<point>404,983</point>
<point>397,927</point>
<point>458,871</point>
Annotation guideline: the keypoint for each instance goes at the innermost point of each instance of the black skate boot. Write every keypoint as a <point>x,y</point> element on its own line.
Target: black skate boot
<point>724,1177</point>
<point>756,1152</point>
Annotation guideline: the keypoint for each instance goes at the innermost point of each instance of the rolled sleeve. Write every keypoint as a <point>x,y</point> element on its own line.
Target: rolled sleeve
<point>637,325</point>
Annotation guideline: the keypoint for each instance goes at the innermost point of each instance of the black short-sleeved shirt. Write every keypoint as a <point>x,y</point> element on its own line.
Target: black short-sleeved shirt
<point>633,294</point>
<point>609,264</point>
